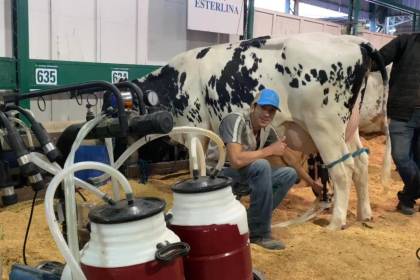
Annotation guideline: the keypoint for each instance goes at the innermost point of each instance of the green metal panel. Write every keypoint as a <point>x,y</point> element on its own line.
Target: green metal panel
<point>69,72</point>
<point>7,73</point>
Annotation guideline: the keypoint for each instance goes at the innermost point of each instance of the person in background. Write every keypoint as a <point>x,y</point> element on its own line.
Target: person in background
<point>404,113</point>
<point>250,139</point>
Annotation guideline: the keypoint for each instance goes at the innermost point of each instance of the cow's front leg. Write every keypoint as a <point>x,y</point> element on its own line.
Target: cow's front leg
<point>360,179</point>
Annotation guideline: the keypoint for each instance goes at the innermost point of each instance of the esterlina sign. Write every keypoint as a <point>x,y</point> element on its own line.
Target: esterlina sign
<point>221,16</point>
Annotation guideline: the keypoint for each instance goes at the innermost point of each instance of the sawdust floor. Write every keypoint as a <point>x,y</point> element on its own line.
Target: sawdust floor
<point>382,249</point>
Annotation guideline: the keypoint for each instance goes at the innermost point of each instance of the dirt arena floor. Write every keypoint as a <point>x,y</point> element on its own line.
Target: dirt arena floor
<point>381,249</point>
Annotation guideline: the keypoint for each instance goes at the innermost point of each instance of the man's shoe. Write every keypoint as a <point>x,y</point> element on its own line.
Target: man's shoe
<point>268,243</point>
<point>406,210</point>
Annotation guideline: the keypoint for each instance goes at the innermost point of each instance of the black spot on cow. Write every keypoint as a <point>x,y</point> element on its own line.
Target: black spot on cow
<point>325,101</point>
<point>280,68</point>
<point>314,73</point>
<point>212,81</point>
<point>322,77</point>
<point>287,70</point>
<point>326,91</point>
<point>283,55</point>
<point>303,83</point>
<point>356,79</point>
<point>165,84</point>
<point>235,85</point>
<point>194,112</point>
<point>307,78</point>
<point>334,67</point>
<point>300,66</point>
<point>182,80</point>
<point>202,53</point>
<point>294,83</point>
<point>255,42</point>
<point>362,92</point>
<point>261,87</point>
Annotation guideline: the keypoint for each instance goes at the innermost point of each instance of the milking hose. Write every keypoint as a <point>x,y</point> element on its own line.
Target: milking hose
<point>69,189</point>
<point>175,131</point>
<point>197,157</point>
<point>49,207</point>
<point>41,161</point>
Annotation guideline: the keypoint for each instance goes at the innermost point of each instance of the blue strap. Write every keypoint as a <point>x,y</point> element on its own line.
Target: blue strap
<point>347,156</point>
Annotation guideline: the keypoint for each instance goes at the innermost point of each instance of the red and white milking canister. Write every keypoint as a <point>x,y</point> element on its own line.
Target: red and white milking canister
<point>131,241</point>
<point>207,216</point>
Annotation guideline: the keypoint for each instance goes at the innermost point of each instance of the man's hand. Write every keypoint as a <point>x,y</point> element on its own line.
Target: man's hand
<point>316,188</point>
<point>278,148</point>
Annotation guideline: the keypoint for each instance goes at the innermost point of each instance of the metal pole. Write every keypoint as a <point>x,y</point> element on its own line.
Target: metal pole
<point>417,23</point>
<point>245,20</point>
<point>350,17</point>
<point>296,8</point>
<point>250,20</point>
<point>372,19</point>
<point>356,16</point>
<point>21,47</point>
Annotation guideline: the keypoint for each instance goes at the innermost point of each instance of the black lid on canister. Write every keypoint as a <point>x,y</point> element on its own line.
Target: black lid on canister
<point>202,184</point>
<point>122,212</point>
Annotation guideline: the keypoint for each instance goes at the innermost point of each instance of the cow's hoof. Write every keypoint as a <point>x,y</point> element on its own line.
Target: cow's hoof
<point>335,227</point>
<point>365,218</point>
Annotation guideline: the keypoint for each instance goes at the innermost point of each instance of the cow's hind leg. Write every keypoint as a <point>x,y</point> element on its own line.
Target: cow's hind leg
<point>332,147</point>
<point>360,179</point>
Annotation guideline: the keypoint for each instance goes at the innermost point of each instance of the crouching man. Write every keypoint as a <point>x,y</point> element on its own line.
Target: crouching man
<point>250,139</point>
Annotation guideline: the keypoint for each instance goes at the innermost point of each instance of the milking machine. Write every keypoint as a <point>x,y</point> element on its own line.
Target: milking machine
<point>317,170</point>
<point>109,126</point>
<point>14,162</point>
<point>130,238</point>
<point>206,215</point>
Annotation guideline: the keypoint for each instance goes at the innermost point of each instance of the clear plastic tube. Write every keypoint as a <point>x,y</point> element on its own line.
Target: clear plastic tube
<point>175,131</point>
<point>69,190</point>
<point>193,153</point>
<point>42,161</point>
<point>197,157</point>
<point>54,227</point>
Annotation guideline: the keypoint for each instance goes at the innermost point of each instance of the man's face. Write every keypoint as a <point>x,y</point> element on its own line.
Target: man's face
<point>262,115</point>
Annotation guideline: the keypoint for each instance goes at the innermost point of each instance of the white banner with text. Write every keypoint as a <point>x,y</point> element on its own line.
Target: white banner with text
<point>221,16</point>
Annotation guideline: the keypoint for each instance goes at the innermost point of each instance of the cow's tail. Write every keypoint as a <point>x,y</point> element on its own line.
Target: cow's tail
<point>387,161</point>
<point>378,63</point>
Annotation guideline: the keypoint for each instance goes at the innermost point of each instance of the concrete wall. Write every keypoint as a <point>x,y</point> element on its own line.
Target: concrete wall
<point>276,24</point>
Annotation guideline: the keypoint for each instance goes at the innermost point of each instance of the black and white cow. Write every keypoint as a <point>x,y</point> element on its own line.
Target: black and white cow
<point>320,79</point>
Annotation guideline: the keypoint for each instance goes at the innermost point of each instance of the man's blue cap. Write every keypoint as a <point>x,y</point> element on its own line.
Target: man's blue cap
<point>269,97</point>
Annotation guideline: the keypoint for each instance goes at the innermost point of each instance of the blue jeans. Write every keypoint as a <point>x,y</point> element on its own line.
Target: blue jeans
<point>268,188</point>
<point>405,145</point>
